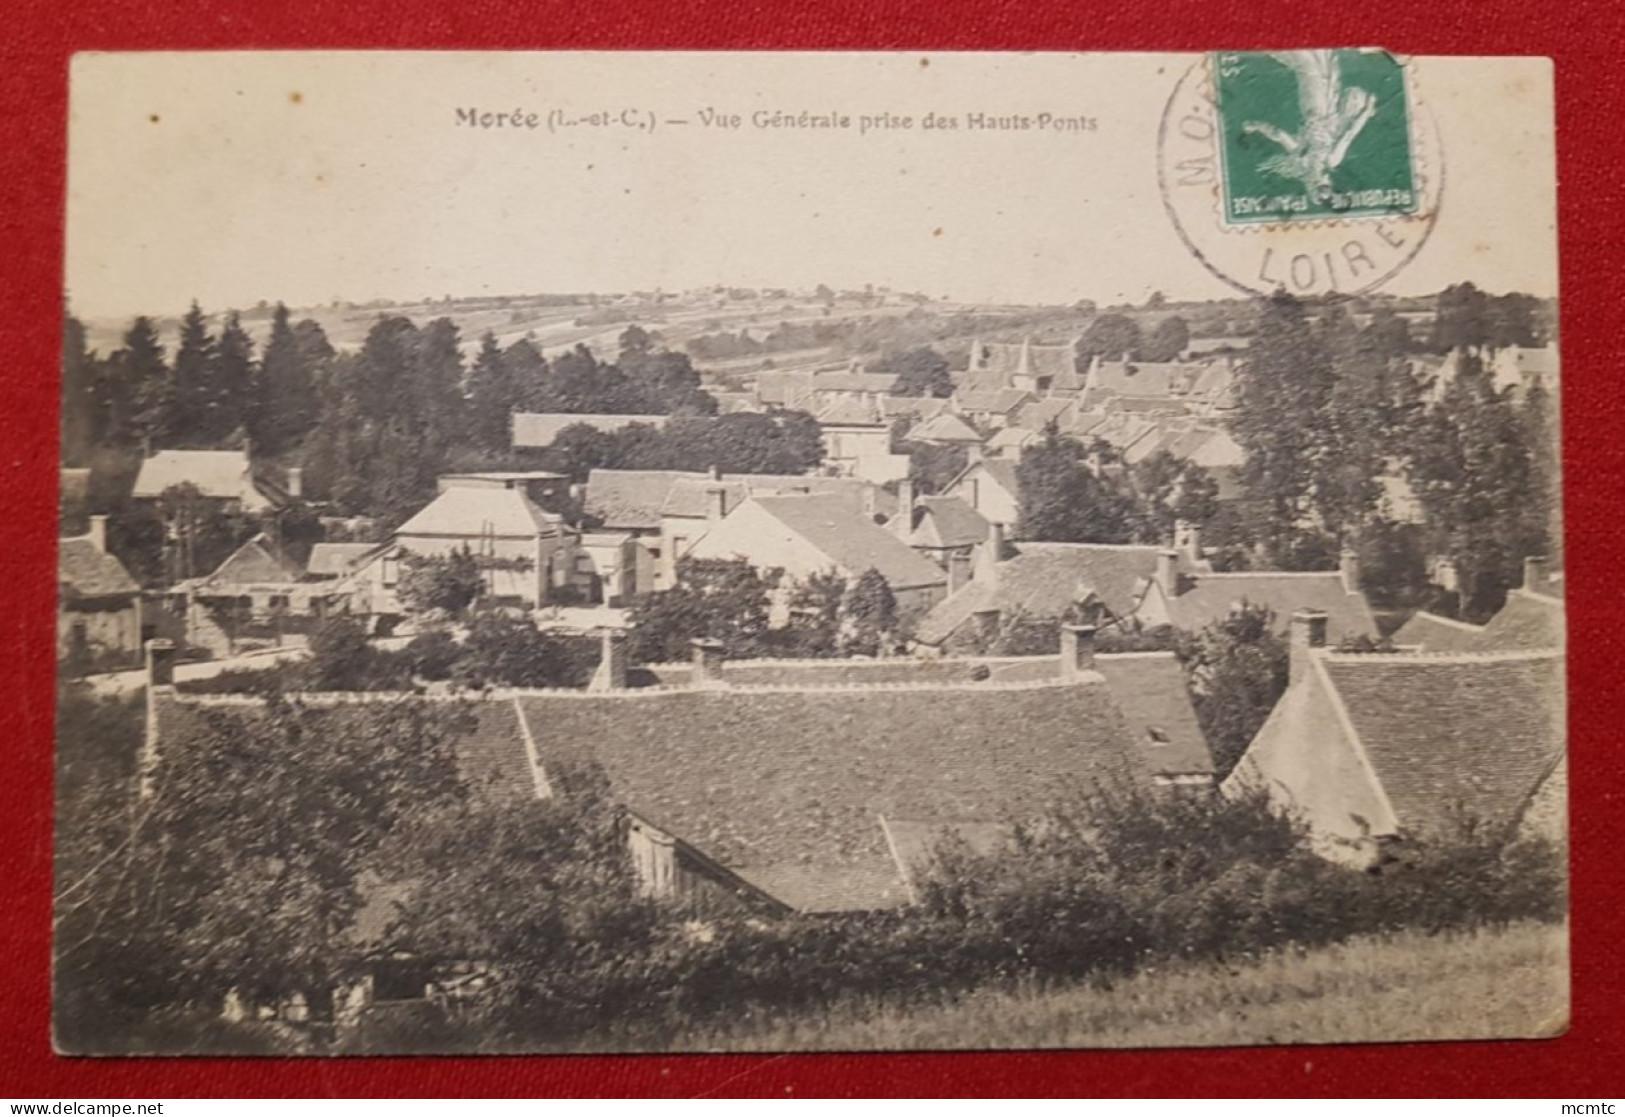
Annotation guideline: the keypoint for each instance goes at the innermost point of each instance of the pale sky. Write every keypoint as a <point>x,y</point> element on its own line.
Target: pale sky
<point>305,177</point>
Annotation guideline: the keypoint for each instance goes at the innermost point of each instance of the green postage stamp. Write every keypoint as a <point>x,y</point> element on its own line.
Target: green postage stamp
<point>1308,135</point>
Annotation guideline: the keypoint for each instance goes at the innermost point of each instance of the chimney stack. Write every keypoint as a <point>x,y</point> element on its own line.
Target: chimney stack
<point>716,473</point>
<point>1188,539</point>
<point>708,658</point>
<point>1168,572</point>
<point>1534,572</point>
<point>905,507</point>
<point>1308,633</point>
<point>989,554</point>
<point>296,482</point>
<point>1077,651</point>
<point>1348,565</point>
<point>160,678</point>
<point>959,570</point>
<point>716,504</point>
<point>98,533</point>
<point>611,673</point>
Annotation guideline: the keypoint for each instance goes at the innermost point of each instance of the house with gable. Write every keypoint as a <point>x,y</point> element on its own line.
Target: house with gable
<point>1375,751</point>
<point>523,550</point>
<point>259,593</point>
<point>98,604</point>
<point>804,534</point>
<point>746,786</point>
<point>225,476</point>
<point>1021,366</point>
<point>1532,617</point>
<point>857,439</point>
<point>990,488</point>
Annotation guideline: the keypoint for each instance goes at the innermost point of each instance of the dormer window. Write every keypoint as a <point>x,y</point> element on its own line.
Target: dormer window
<point>1157,735</point>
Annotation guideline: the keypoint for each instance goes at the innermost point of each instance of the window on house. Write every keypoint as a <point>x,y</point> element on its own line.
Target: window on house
<point>1157,735</point>
<point>280,602</point>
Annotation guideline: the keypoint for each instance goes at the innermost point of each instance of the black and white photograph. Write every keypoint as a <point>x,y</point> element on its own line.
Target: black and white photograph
<point>767,552</point>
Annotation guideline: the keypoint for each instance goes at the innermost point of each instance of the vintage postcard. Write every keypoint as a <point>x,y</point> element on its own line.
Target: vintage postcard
<point>765,552</point>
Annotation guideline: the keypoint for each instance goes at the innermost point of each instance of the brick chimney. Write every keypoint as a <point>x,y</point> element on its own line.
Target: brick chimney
<point>1307,634</point>
<point>1188,539</point>
<point>716,504</point>
<point>1077,651</point>
<point>1535,572</point>
<point>989,554</point>
<point>1348,565</point>
<point>611,673</point>
<point>1168,572</point>
<point>959,570</point>
<point>905,508</point>
<point>709,655</point>
<point>98,533</point>
<point>160,682</point>
<point>296,482</point>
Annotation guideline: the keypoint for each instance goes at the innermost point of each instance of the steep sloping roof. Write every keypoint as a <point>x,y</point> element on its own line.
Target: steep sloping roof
<point>631,499</point>
<point>947,521</point>
<point>998,363</point>
<point>1000,402</point>
<point>1035,414</point>
<point>257,562</point>
<point>1149,688</point>
<point>538,428</point>
<point>1205,598</point>
<point>851,541</point>
<point>1528,620</point>
<point>912,407</point>
<point>946,427</point>
<point>1001,470</point>
<point>475,513</point>
<point>221,474</point>
<point>783,787</point>
<point>1145,378</point>
<point>1432,633</point>
<point>1454,736</point>
<point>84,571</point>
<point>335,559</point>
<point>1013,438</point>
<point>851,411</point>
<point>1042,581</point>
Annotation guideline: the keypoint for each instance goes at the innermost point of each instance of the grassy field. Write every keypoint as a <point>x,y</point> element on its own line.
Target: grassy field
<point>1484,985</point>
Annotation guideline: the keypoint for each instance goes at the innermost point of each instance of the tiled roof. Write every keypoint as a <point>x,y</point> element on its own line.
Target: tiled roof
<point>947,521</point>
<point>1038,413</point>
<point>1432,633</point>
<point>851,541</point>
<point>793,784</point>
<point>467,513</point>
<point>850,411</point>
<point>632,499</point>
<point>998,363</point>
<point>221,474</point>
<point>335,559</point>
<point>1528,620</point>
<point>1150,690</point>
<point>84,571</point>
<point>1145,378</point>
<point>1454,735</point>
<point>946,427</point>
<point>536,428</point>
<point>912,407</point>
<point>1205,598</point>
<point>1001,470</point>
<point>1000,402</point>
<point>1010,438</point>
<point>257,562</point>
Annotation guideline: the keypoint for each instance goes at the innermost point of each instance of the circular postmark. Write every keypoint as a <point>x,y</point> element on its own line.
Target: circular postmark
<point>1316,171</point>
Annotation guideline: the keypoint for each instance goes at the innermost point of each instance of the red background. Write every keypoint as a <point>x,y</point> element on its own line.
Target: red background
<point>1584,39</point>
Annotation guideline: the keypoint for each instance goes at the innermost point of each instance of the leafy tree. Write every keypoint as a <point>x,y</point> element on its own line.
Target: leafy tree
<point>722,599</point>
<point>815,616</point>
<point>1110,337</point>
<point>198,532</point>
<point>508,651</point>
<point>341,658</point>
<point>1167,341</point>
<point>81,419</point>
<point>1063,501</point>
<point>195,392</point>
<point>868,615</point>
<point>920,371</point>
<point>286,404</point>
<point>1173,489</point>
<point>933,466</point>
<point>1479,488</point>
<point>1236,669</point>
<point>140,392</point>
<point>1283,392</point>
<point>447,583</point>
